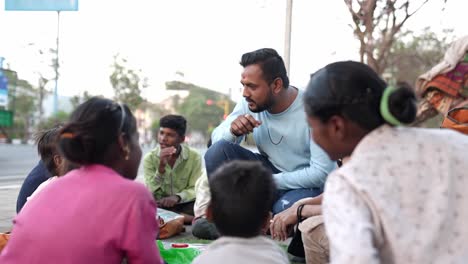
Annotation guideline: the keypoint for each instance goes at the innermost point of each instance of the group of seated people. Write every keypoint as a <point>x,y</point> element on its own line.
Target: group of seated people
<point>398,196</point>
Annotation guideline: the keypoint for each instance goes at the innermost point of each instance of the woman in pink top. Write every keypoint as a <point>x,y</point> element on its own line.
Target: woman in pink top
<point>97,213</point>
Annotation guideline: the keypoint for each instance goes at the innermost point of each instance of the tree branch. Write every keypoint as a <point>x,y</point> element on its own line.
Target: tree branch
<point>417,9</point>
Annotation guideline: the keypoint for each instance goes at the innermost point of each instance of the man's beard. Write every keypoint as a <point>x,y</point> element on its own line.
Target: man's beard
<point>262,107</point>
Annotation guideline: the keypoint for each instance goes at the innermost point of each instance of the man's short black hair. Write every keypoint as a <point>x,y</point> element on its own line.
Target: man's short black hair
<point>47,147</point>
<point>270,62</point>
<point>176,122</point>
<point>242,195</point>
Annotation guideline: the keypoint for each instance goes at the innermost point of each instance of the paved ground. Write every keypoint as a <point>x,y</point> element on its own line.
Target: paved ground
<point>7,207</point>
<point>15,162</point>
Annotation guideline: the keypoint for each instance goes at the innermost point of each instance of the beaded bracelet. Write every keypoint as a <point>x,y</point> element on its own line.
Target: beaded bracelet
<point>299,213</point>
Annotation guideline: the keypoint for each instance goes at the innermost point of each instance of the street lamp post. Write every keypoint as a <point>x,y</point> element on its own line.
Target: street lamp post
<point>49,5</point>
<point>287,35</point>
<point>56,66</point>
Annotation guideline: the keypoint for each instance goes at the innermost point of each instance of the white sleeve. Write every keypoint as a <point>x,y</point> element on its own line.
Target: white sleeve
<point>348,223</point>
<point>203,195</point>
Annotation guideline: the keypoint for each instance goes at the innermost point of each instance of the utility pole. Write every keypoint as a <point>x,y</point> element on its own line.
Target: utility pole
<point>56,66</point>
<point>287,35</point>
<point>50,5</point>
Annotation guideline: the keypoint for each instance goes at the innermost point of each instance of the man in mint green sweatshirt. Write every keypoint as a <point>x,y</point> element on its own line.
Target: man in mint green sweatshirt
<point>273,112</point>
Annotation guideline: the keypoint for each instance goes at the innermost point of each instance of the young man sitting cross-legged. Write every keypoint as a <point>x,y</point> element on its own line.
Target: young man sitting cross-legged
<point>172,168</point>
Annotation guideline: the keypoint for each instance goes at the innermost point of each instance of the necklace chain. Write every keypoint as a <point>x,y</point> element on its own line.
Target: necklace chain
<point>271,140</point>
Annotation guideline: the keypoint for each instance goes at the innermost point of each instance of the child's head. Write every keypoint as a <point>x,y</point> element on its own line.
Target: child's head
<point>177,123</point>
<point>346,100</point>
<point>242,194</point>
<point>47,146</point>
<point>172,130</point>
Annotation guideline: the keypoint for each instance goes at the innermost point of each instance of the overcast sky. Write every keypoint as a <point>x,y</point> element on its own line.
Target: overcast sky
<point>204,39</point>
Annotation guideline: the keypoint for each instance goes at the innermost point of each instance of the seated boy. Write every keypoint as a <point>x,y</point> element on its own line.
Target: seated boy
<point>242,194</point>
<point>47,149</point>
<point>172,168</point>
<point>57,165</point>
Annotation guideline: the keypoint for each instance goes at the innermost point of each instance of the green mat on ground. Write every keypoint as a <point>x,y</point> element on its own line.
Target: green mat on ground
<point>178,255</point>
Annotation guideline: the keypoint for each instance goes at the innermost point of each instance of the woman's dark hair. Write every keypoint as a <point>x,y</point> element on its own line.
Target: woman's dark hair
<point>354,91</point>
<point>92,129</point>
<point>270,62</point>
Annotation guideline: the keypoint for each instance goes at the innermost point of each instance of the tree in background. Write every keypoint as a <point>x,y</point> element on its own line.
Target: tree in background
<point>201,115</point>
<point>414,54</point>
<point>48,63</point>
<point>127,83</point>
<point>60,118</point>
<point>42,82</point>
<point>76,100</point>
<point>23,102</point>
<point>376,24</point>
<point>154,112</point>
<point>154,127</point>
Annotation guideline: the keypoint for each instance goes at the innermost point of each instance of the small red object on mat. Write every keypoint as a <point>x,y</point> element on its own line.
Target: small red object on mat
<point>180,245</point>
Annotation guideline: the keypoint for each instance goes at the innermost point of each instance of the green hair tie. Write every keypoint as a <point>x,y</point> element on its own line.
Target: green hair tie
<point>384,111</point>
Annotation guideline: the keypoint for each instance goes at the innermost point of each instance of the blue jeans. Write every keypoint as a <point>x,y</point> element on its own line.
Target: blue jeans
<point>224,151</point>
<point>286,198</point>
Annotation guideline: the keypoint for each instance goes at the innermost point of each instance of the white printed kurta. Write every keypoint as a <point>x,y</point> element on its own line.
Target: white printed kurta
<point>402,198</point>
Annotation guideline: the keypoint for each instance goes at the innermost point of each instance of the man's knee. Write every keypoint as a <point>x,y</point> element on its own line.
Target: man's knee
<point>204,229</point>
<point>315,241</point>
<point>280,205</point>
<point>319,237</point>
<point>288,198</point>
<point>217,149</point>
<point>219,153</point>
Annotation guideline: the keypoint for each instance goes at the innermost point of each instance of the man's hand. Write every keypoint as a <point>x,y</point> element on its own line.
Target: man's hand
<point>243,125</point>
<point>170,201</point>
<point>164,156</point>
<point>283,222</point>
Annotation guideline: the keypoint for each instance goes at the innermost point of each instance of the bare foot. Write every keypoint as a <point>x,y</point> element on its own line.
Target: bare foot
<point>187,219</point>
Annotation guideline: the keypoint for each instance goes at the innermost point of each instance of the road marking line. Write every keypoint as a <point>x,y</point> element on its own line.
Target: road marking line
<point>6,187</point>
<point>13,177</point>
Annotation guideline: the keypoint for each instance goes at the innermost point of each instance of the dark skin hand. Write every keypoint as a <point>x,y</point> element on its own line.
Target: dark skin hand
<point>244,124</point>
<point>167,155</point>
<point>170,201</point>
<point>282,223</point>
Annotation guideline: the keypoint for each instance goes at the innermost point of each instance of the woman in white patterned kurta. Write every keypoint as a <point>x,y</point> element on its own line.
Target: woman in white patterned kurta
<point>402,196</point>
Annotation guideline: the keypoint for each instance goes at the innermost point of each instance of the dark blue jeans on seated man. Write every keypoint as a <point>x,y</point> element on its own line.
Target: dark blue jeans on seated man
<point>224,151</point>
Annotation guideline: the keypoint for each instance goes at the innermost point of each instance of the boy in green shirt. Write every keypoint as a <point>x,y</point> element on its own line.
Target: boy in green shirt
<point>172,168</point>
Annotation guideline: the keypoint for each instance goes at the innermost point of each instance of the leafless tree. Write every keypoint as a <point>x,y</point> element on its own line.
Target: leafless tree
<point>375,24</point>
